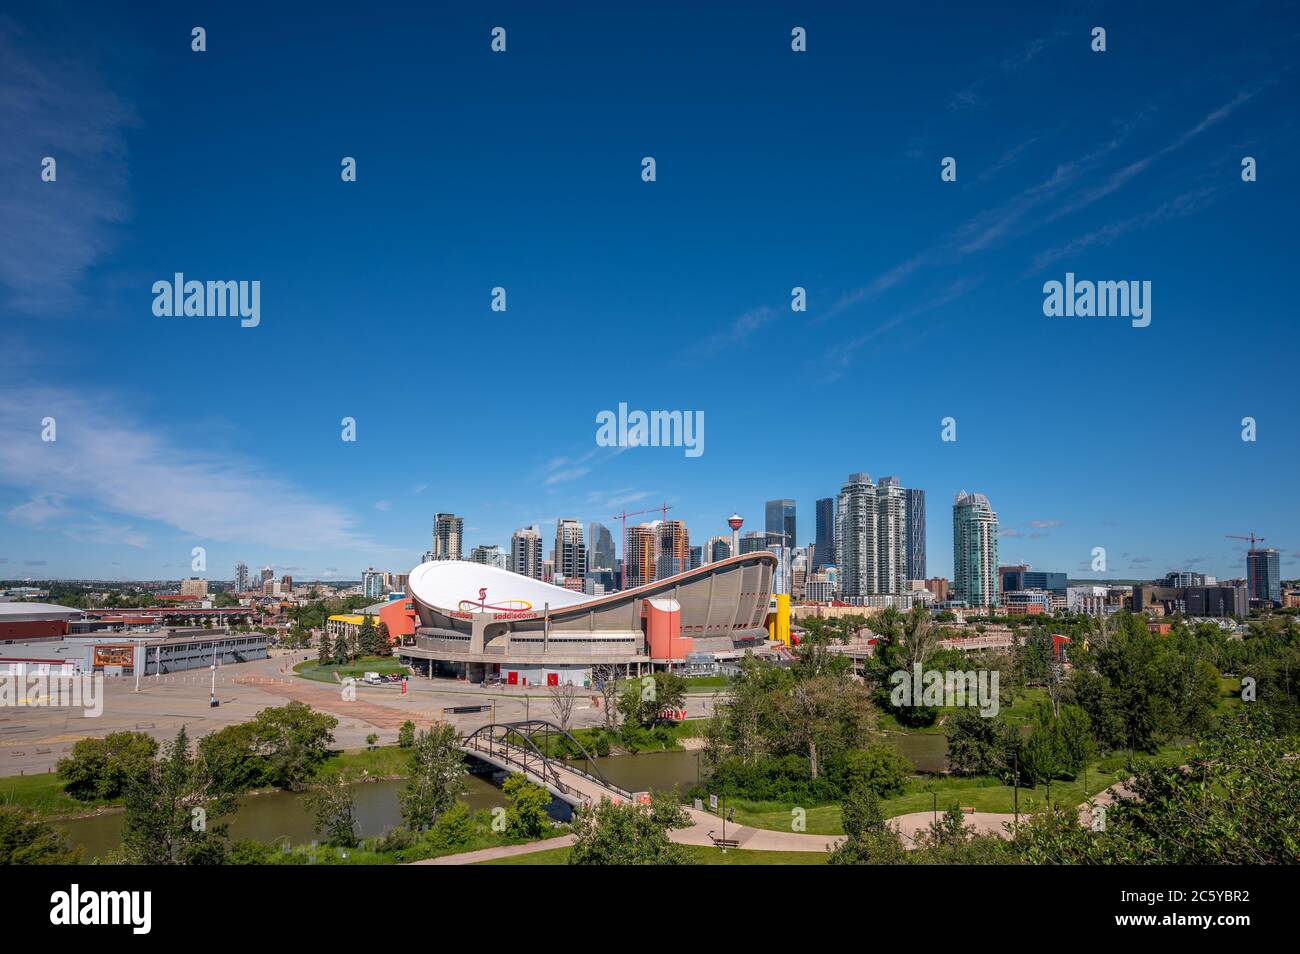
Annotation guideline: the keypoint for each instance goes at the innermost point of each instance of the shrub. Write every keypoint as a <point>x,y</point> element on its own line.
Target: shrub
<point>881,768</point>
<point>102,768</point>
<point>453,830</point>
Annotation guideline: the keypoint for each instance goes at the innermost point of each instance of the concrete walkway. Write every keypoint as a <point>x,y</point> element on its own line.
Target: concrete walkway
<point>1000,823</point>
<point>750,839</point>
<point>505,851</point>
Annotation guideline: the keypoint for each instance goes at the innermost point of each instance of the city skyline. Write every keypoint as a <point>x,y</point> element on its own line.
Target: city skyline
<point>665,293</point>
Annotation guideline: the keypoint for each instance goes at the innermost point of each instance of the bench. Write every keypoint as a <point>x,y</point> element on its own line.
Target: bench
<point>724,843</point>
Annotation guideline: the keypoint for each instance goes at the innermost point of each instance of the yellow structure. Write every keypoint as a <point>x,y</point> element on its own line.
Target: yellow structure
<point>778,617</point>
<point>346,624</point>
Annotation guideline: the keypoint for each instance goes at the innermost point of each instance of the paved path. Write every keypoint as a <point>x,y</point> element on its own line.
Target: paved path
<point>985,823</point>
<point>505,851</point>
<point>751,839</point>
<point>1001,823</point>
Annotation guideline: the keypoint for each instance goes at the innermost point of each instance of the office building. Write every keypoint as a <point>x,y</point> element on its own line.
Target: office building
<point>915,534</point>
<point>754,541</point>
<point>718,548</point>
<point>241,577</point>
<point>779,523</point>
<point>194,586</point>
<point>1264,574</point>
<point>824,541</point>
<point>570,551</point>
<point>600,548</point>
<point>1021,577</point>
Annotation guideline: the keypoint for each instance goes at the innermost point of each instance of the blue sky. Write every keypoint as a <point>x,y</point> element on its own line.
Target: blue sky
<point>522,169</point>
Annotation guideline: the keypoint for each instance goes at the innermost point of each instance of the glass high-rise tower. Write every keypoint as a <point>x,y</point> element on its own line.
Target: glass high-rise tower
<point>915,534</point>
<point>824,542</point>
<point>779,522</point>
<point>1264,574</point>
<point>975,550</point>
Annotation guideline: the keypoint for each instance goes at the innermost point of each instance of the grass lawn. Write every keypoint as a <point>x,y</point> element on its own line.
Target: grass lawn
<point>383,761</point>
<point>421,850</point>
<point>983,793</point>
<point>312,669</point>
<point>700,855</point>
<point>689,728</point>
<point>43,794</point>
<point>1020,711</point>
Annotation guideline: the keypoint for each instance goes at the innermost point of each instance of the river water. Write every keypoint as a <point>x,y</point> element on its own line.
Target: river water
<point>281,816</point>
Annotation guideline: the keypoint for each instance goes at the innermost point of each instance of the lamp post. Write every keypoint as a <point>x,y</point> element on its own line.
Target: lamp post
<point>1015,784</point>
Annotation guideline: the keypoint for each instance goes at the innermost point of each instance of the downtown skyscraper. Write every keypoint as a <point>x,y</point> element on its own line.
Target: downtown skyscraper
<point>779,523</point>
<point>600,548</point>
<point>871,537</point>
<point>891,536</point>
<point>526,552</point>
<point>975,550</point>
<point>639,556</point>
<point>570,553</point>
<point>824,541</point>
<point>915,534</point>
<point>447,528</point>
<point>855,536</point>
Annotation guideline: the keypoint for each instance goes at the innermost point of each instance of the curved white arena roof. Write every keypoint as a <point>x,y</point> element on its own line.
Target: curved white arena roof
<point>37,610</point>
<point>447,584</point>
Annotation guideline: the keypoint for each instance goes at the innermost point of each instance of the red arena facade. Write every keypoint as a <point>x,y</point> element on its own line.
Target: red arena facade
<point>479,621</point>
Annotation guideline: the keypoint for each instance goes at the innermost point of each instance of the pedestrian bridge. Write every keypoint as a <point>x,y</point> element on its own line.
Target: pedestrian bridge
<point>513,747</point>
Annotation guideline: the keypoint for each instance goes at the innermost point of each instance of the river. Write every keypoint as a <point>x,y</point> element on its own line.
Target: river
<point>281,816</point>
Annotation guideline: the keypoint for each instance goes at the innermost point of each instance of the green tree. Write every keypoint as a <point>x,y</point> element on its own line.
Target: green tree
<point>171,811</point>
<point>406,735</point>
<point>1235,801</point>
<point>294,740</point>
<point>102,768</point>
<point>881,768</point>
<point>366,636</point>
<point>626,834</point>
<point>383,641</point>
<point>868,838</point>
<point>437,777</point>
<point>232,758</point>
<point>325,655</point>
<point>979,745</point>
<point>526,808</point>
<point>331,806</point>
<point>26,840</point>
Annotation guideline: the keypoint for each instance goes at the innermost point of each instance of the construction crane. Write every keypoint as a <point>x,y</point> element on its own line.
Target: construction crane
<point>636,513</point>
<point>1250,565</point>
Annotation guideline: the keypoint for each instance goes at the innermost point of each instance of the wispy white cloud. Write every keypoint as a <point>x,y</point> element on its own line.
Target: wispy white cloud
<point>56,106</point>
<point>104,466</point>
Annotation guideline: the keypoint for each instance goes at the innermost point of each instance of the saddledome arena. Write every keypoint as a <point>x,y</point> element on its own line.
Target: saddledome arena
<point>479,621</point>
